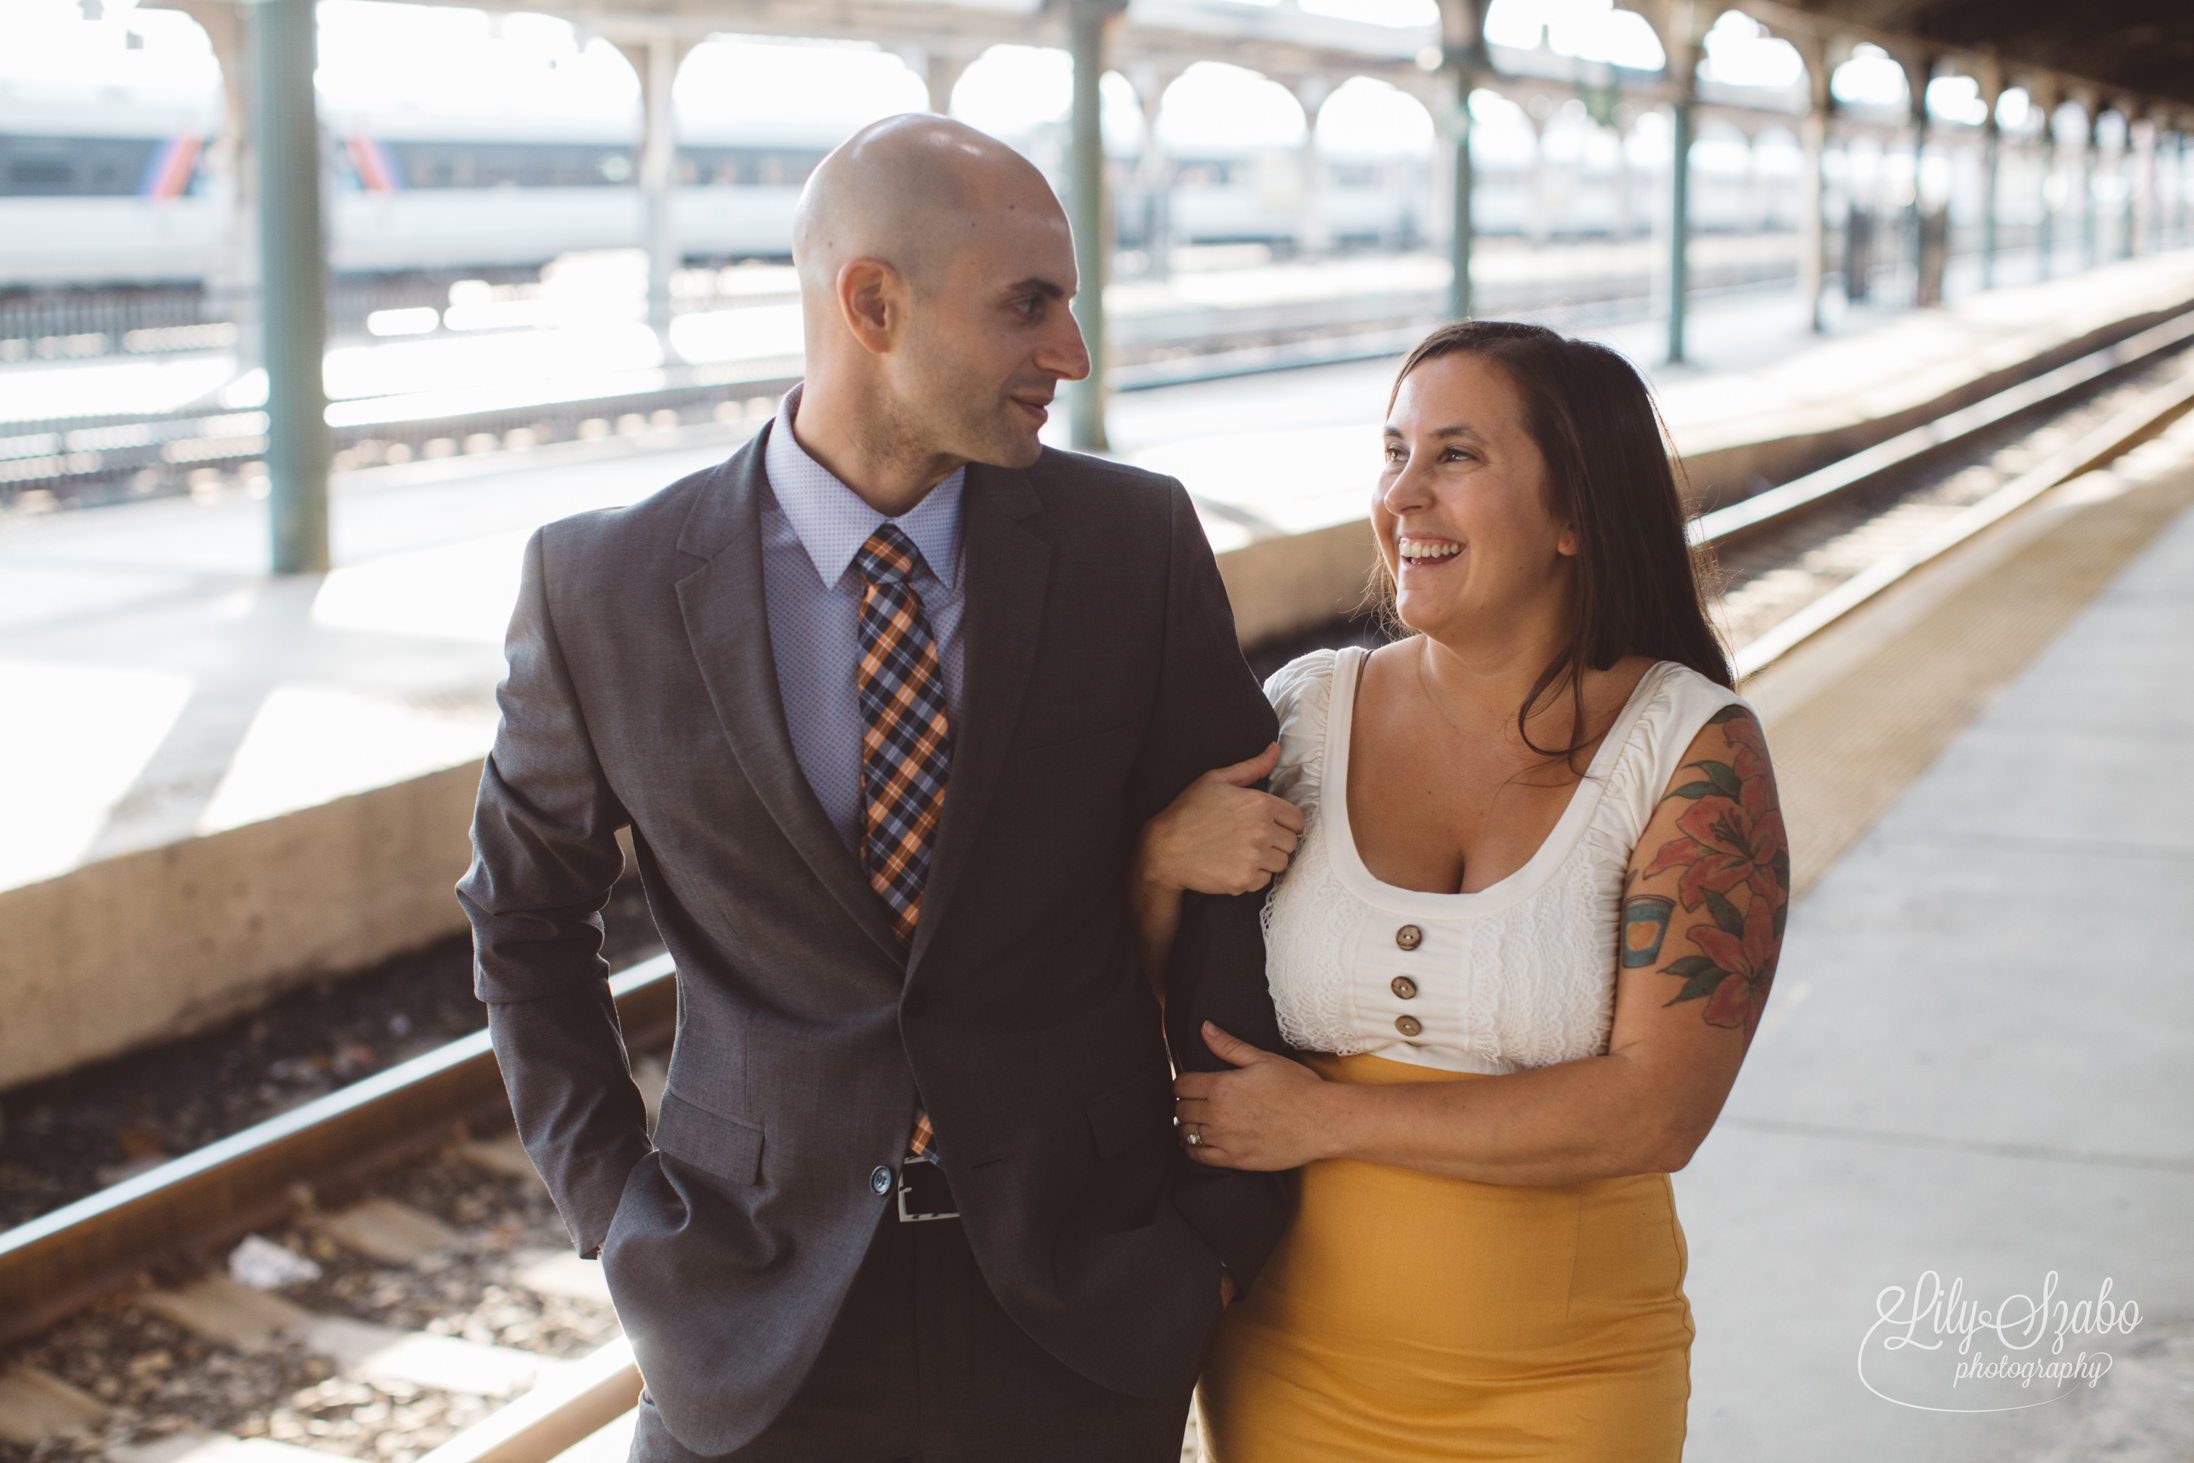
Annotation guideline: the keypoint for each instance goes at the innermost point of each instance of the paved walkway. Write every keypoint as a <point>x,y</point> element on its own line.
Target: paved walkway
<point>161,686</point>
<point>1976,1065</point>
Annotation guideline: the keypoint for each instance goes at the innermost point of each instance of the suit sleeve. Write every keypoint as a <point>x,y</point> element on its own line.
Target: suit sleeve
<point>1210,712</point>
<point>545,857</point>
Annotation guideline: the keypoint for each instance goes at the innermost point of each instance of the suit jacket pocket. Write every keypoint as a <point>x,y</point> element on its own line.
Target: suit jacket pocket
<point>729,1148</point>
<point>1132,1113</point>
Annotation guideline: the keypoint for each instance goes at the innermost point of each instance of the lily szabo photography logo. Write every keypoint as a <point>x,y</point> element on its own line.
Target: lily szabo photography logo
<point>1937,1349</point>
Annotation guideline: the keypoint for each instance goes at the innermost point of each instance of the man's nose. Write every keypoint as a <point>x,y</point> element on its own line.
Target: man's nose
<point>1065,354</point>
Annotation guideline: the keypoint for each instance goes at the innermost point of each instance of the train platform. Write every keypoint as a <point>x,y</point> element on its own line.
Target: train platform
<point>1973,1068</point>
<point>201,752</point>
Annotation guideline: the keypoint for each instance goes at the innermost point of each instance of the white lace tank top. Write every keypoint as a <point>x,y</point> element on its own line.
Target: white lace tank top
<point>1519,974</point>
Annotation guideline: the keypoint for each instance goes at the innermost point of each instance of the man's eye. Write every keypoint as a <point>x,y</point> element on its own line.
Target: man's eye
<point>1029,307</point>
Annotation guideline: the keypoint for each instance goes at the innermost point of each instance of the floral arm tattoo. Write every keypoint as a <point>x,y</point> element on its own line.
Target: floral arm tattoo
<point>1733,861</point>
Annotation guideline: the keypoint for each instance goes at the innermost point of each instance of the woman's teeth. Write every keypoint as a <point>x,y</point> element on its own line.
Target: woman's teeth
<point>1423,550</point>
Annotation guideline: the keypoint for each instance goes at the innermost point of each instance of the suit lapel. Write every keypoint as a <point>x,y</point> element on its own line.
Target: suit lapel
<point>727,624</point>
<point>1007,571</point>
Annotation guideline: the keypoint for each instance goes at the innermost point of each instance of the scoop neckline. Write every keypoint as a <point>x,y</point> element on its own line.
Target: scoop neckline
<point>1584,800</point>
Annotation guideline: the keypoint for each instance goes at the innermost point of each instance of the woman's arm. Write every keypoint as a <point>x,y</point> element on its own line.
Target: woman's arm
<point>1702,914</point>
<point>1220,836</point>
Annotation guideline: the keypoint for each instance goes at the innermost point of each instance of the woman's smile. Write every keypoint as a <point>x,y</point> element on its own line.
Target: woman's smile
<point>1420,553</point>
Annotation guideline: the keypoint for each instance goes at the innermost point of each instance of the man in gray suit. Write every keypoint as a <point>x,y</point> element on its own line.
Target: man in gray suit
<point>884,700</point>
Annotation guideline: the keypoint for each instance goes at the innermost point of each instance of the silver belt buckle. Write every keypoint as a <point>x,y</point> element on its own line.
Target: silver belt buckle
<point>911,1206</point>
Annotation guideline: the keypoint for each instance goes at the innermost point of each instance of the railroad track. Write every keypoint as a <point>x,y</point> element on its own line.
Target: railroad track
<point>1799,556</point>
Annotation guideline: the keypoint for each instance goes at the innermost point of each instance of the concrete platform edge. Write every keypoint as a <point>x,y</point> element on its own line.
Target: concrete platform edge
<point>172,940</point>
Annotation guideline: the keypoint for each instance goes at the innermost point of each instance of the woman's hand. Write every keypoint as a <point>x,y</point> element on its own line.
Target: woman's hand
<point>1269,1113</point>
<point>1221,835</point>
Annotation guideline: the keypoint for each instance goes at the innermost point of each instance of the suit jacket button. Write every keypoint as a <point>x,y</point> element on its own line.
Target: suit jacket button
<point>880,1180</point>
<point>1408,1025</point>
<point>1409,937</point>
<point>1404,987</point>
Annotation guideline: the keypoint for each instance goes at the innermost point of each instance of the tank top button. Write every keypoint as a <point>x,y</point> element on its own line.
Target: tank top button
<point>1408,1025</point>
<point>1409,937</point>
<point>1404,987</point>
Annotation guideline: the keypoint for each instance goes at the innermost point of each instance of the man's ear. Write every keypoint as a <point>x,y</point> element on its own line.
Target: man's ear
<point>873,299</point>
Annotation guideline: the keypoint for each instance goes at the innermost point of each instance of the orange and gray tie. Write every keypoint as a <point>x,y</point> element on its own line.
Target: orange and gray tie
<point>906,744</point>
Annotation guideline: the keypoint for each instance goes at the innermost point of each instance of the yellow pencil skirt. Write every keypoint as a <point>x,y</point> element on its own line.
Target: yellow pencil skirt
<point>1408,1316</point>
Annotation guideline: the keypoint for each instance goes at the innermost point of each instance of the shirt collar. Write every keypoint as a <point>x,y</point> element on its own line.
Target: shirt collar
<point>831,520</point>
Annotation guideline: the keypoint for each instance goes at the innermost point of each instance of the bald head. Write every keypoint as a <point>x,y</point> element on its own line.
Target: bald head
<point>911,190</point>
<point>936,271</point>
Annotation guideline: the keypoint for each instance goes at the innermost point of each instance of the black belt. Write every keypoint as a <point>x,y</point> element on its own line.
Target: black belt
<point>923,1192</point>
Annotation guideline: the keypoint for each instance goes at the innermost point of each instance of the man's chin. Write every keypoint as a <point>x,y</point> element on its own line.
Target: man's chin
<point>1010,449</point>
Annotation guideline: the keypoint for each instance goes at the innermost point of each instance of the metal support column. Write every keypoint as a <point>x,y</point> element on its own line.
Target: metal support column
<point>283,41</point>
<point>2091,157</point>
<point>940,74</point>
<point>1991,164</point>
<point>1992,90</point>
<point>655,58</point>
<point>1086,21</point>
<point>232,280</point>
<point>2045,247</point>
<point>1154,174</point>
<point>1813,190</point>
<point>2179,187</point>
<point>1462,231</point>
<point>1813,219</point>
<point>2136,189</point>
<point>1683,36</point>
<point>1919,71</point>
<point>1679,220</point>
<point>1313,234</point>
<point>1462,59</point>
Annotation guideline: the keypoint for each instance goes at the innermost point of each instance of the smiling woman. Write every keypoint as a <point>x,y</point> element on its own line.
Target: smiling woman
<point>1529,925</point>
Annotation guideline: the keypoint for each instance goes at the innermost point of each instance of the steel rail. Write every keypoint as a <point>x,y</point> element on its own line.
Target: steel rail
<point>1725,525</point>
<point>2125,430</point>
<point>64,1260</point>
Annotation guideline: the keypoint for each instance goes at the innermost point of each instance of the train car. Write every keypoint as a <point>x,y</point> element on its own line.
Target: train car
<point>98,188</point>
<point>118,191</point>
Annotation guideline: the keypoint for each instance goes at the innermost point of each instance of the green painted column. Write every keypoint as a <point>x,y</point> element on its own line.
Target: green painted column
<point>1991,150</point>
<point>1683,127</point>
<point>1462,236</point>
<point>1086,22</point>
<point>285,124</point>
<point>1919,71</point>
<point>2179,189</point>
<point>2045,239</point>
<point>2091,163</point>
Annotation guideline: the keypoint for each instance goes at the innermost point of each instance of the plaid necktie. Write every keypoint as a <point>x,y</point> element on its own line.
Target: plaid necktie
<point>906,744</point>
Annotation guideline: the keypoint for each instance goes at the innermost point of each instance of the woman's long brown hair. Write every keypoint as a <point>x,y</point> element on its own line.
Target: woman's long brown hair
<point>1639,588</point>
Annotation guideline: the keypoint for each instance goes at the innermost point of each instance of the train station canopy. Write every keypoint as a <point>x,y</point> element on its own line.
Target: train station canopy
<point>2137,48</point>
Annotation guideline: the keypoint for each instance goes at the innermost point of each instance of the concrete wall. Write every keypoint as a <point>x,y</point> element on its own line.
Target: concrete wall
<point>155,945</point>
<point>1285,586</point>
